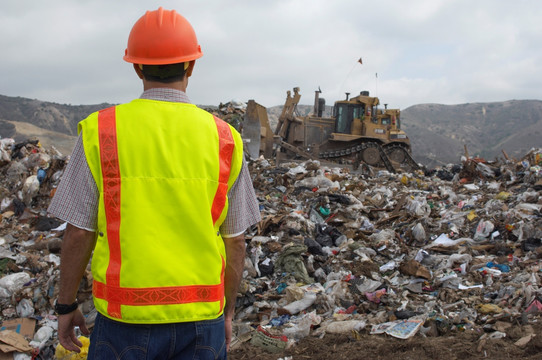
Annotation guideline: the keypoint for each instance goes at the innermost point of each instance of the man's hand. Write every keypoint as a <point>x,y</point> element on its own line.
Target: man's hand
<point>77,246</point>
<point>66,333</point>
<point>227,327</point>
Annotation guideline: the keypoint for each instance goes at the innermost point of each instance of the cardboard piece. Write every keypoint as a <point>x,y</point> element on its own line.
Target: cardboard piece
<point>24,326</point>
<point>6,356</point>
<point>524,340</point>
<point>12,341</point>
<point>414,268</point>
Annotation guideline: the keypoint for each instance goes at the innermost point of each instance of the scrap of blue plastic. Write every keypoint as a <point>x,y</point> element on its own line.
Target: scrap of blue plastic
<point>501,267</point>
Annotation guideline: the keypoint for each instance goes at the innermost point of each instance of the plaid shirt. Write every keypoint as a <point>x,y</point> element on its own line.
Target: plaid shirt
<point>76,198</point>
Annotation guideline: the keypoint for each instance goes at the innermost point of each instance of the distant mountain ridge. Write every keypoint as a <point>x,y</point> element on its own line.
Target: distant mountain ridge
<point>52,123</point>
<point>47,115</point>
<point>438,133</point>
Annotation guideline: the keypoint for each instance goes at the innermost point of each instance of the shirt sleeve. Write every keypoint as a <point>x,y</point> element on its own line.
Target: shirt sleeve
<point>76,198</point>
<point>243,210</point>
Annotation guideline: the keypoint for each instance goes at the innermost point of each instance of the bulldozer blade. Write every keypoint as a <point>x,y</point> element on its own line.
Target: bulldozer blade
<point>256,131</point>
<point>251,130</point>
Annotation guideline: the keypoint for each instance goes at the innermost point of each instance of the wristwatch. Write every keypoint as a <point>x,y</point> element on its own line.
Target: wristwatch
<point>63,309</point>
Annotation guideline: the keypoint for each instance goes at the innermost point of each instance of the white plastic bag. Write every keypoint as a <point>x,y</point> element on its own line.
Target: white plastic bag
<point>343,327</point>
<point>297,306</point>
<point>14,282</point>
<point>483,230</point>
<point>418,232</point>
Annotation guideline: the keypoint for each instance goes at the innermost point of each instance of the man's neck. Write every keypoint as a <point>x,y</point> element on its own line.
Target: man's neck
<point>177,85</point>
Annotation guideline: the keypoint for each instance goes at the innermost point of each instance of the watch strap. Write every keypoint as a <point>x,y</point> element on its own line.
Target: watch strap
<point>63,309</point>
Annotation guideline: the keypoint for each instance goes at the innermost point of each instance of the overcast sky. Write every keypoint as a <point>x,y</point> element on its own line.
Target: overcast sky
<point>424,51</point>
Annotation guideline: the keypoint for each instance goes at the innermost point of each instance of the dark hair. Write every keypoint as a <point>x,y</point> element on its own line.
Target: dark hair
<point>164,73</point>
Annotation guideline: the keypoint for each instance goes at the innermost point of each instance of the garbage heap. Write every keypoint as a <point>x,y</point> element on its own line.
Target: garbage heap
<point>455,248</point>
<point>337,251</point>
<point>233,112</point>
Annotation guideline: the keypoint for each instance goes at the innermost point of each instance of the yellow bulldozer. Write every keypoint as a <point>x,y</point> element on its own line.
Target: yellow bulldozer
<point>357,132</point>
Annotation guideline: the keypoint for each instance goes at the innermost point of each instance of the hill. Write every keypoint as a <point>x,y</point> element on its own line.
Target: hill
<point>438,133</point>
<point>52,123</point>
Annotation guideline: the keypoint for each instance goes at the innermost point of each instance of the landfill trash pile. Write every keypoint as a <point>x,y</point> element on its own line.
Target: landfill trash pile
<point>338,254</point>
<point>453,250</point>
<point>30,243</point>
<point>232,112</point>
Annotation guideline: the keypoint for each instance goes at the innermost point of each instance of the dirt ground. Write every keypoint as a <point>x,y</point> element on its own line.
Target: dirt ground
<point>454,346</point>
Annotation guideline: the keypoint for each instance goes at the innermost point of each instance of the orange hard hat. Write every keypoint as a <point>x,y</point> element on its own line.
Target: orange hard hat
<point>162,37</point>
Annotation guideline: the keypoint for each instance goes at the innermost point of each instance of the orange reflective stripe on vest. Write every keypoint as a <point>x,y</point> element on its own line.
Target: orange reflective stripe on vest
<point>112,291</point>
<point>111,181</point>
<point>158,295</point>
<point>225,148</point>
<point>116,295</point>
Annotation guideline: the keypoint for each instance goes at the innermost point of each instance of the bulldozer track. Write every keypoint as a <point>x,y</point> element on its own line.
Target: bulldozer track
<point>384,153</point>
<point>408,159</point>
<point>358,150</point>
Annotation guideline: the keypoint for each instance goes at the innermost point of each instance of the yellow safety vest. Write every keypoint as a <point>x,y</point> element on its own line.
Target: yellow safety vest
<point>163,171</point>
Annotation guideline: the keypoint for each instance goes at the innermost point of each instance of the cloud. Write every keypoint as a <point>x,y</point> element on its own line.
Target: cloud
<point>442,51</point>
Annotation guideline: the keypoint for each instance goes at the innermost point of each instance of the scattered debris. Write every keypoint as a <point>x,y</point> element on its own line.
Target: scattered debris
<point>451,249</point>
<point>338,251</point>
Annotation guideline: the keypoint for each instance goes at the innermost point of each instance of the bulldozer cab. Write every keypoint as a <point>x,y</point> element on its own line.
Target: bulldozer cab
<point>360,116</point>
<point>345,114</point>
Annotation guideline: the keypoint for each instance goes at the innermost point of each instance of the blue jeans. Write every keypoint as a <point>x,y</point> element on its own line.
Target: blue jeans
<point>192,340</point>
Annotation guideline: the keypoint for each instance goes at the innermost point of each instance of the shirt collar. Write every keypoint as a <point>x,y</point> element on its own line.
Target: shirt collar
<point>166,94</point>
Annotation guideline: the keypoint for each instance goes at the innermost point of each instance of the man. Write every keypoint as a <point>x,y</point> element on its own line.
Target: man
<point>158,190</point>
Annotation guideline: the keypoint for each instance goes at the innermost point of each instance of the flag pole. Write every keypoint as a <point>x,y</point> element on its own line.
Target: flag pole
<point>350,72</point>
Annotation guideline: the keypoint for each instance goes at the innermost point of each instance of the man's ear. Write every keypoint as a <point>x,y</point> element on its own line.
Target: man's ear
<point>137,68</point>
<point>190,68</point>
